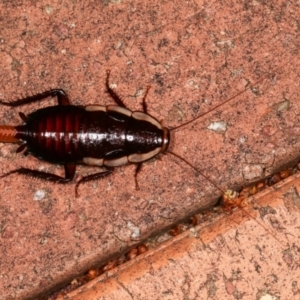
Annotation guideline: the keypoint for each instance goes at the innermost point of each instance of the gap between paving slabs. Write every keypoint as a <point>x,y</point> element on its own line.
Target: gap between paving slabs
<point>194,225</point>
<point>111,284</point>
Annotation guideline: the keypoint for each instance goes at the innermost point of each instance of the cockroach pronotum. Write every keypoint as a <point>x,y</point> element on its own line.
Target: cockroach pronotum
<point>95,135</point>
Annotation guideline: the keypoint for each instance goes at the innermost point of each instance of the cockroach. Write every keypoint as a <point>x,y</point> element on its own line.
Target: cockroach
<point>95,135</point>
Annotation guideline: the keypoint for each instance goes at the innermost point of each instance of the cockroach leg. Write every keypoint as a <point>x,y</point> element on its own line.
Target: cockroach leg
<point>70,169</point>
<point>21,148</point>
<point>144,104</point>
<point>137,170</point>
<point>91,177</point>
<point>112,93</point>
<point>70,172</point>
<point>62,98</point>
<point>23,117</point>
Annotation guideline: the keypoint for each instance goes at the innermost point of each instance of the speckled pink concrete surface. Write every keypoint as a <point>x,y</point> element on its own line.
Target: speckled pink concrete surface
<point>195,55</point>
<point>234,258</point>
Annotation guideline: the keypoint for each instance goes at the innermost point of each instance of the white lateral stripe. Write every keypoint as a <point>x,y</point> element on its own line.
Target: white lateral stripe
<point>93,161</point>
<point>140,157</point>
<point>144,117</point>
<point>116,162</point>
<point>95,108</point>
<point>120,110</point>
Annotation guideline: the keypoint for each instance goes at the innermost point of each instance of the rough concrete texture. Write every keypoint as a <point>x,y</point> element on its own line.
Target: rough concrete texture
<point>234,258</point>
<point>195,55</point>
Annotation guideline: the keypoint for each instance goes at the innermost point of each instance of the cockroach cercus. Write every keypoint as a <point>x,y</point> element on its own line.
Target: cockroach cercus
<point>95,135</point>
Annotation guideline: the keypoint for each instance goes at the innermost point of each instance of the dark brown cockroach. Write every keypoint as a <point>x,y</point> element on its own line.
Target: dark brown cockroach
<point>95,135</point>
